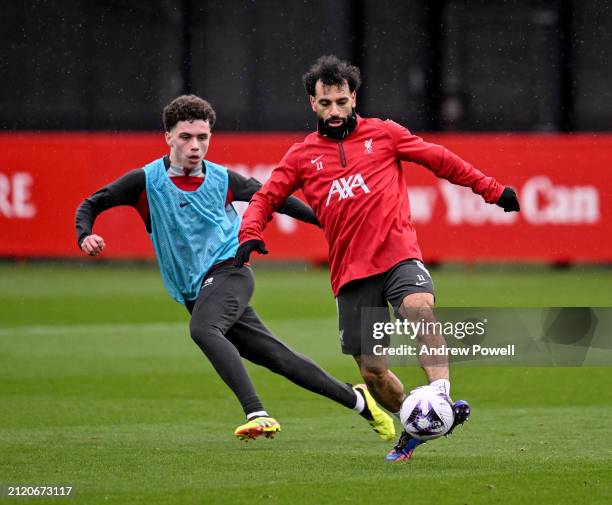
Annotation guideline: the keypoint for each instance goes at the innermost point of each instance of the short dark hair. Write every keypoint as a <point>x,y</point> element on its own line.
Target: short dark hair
<point>332,72</point>
<point>188,108</point>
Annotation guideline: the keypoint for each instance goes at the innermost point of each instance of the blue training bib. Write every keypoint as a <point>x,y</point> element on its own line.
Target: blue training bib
<point>190,231</point>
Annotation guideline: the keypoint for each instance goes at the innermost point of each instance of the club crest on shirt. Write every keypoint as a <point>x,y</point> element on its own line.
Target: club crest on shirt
<point>368,146</point>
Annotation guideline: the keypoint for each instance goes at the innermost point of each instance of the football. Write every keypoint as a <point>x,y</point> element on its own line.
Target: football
<point>427,413</point>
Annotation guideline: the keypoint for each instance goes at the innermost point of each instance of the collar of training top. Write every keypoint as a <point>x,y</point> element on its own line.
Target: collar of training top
<point>178,172</point>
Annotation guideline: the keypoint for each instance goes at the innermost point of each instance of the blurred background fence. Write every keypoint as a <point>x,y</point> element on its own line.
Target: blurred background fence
<point>526,65</point>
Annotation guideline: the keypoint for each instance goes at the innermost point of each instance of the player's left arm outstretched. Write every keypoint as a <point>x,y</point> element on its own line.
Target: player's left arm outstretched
<point>447,165</point>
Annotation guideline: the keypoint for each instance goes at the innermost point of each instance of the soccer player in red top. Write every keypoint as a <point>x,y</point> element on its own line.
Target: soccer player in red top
<point>351,175</point>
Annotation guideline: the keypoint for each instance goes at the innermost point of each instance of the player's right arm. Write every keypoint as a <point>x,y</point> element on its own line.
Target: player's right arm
<point>127,190</point>
<point>242,189</point>
<point>283,181</point>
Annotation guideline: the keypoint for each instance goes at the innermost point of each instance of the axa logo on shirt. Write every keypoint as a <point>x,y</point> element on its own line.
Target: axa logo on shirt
<point>345,187</point>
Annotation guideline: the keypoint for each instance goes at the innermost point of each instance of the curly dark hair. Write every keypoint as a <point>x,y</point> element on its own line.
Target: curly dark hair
<point>188,108</point>
<point>331,71</point>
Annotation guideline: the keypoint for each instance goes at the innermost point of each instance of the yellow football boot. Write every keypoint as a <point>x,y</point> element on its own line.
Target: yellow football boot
<point>379,420</point>
<point>256,427</point>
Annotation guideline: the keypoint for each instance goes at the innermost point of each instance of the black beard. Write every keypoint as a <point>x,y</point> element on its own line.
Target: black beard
<point>338,132</point>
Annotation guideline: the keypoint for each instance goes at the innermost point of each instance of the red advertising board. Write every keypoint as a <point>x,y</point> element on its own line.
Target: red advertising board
<point>564,183</point>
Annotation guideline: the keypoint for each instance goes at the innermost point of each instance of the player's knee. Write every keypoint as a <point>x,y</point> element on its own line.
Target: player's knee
<point>199,338</point>
<point>418,307</point>
<point>202,334</point>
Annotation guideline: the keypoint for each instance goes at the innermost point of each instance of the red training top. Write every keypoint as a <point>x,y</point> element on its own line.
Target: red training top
<point>358,193</point>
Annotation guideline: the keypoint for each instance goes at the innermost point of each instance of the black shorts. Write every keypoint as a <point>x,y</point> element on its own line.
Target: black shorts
<point>363,302</point>
<point>223,303</point>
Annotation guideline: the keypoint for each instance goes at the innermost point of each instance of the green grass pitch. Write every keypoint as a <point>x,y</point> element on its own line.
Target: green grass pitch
<point>101,388</point>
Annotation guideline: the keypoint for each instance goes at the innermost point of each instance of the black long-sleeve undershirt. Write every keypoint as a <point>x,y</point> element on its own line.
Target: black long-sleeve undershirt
<point>130,190</point>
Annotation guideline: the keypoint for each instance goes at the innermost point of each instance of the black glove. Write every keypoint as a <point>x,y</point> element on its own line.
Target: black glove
<point>508,200</point>
<point>244,251</point>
